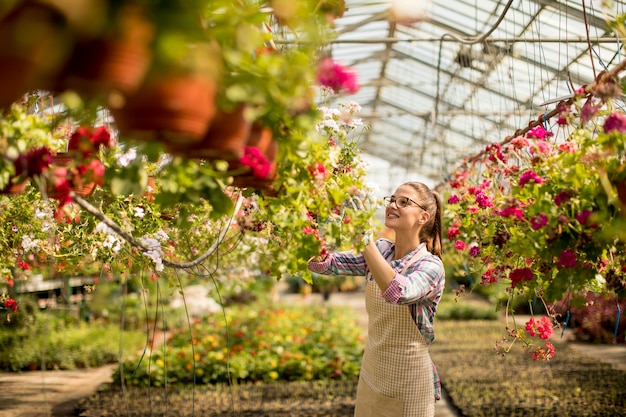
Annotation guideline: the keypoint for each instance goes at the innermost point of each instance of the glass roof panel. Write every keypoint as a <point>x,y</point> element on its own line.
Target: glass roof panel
<point>440,89</point>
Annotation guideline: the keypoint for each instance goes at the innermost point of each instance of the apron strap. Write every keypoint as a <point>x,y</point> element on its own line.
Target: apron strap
<point>417,256</point>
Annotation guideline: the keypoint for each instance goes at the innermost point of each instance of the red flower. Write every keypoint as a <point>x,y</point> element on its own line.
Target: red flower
<point>11,304</point>
<point>87,141</point>
<point>38,160</point>
<point>254,159</point>
<point>318,170</point>
<point>520,274</point>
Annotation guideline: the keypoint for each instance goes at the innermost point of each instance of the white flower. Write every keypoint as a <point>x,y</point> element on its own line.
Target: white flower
<point>154,252</point>
<point>46,225</point>
<point>103,228</point>
<point>127,157</point>
<point>112,242</point>
<point>351,107</point>
<point>28,243</point>
<point>139,212</point>
<point>161,236</point>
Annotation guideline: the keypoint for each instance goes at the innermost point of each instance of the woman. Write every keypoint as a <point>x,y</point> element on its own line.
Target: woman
<point>405,281</point>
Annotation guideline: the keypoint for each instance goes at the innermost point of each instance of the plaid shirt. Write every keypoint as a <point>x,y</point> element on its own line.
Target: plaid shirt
<point>421,287</point>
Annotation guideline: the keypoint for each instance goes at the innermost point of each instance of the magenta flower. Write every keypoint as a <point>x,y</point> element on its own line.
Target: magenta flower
<point>588,111</point>
<point>339,78</point>
<point>453,199</point>
<point>562,197</point>
<point>567,259</point>
<point>583,217</point>
<point>254,159</point>
<point>511,212</point>
<point>482,199</point>
<point>616,122</point>
<point>539,132</point>
<point>538,221</point>
<point>528,176</point>
<point>474,251</point>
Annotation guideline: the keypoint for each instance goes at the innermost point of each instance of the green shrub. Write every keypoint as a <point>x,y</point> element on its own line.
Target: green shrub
<point>50,343</point>
<point>260,344</point>
<point>464,311</point>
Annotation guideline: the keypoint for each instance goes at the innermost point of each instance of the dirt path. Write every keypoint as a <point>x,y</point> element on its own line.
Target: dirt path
<point>48,393</point>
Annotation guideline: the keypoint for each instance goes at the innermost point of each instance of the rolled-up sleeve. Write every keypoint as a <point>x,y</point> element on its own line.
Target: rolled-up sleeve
<point>340,263</point>
<point>421,281</point>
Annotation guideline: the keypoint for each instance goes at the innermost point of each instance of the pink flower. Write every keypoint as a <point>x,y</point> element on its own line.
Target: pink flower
<point>460,245</point>
<point>339,78</point>
<point>567,259</point>
<point>541,147</point>
<point>520,274</point>
<point>519,142</point>
<point>528,176</point>
<point>474,251</point>
<point>538,221</point>
<point>544,354</point>
<point>569,147</point>
<point>539,132</point>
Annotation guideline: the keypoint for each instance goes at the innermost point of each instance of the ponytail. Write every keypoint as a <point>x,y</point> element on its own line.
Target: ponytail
<point>432,231</point>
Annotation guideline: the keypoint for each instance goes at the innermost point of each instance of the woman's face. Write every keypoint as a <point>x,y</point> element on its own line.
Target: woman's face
<point>412,216</point>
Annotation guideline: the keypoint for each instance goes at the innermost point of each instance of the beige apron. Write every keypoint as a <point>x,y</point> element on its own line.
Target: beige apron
<point>396,378</point>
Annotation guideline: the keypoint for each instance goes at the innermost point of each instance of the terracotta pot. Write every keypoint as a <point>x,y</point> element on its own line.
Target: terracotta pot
<point>35,43</point>
<point>175,109</point>
<point>115,63</point>
<point>14,189</point>
<point>227,135</point>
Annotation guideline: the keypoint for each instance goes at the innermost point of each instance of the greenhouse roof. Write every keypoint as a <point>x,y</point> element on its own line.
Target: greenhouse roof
<point>470,73</point>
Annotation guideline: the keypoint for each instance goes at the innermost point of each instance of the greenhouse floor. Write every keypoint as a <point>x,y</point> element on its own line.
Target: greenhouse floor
<point>55,393</point>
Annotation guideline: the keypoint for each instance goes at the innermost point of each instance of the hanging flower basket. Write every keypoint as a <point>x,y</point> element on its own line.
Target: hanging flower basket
<point>175,109</point>
<point>225,139</point>
<point>35,43</point>
<point>113,63</point>
<point>14,189</point>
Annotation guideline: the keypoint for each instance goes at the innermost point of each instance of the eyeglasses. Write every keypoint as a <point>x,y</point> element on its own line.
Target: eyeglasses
<point>402,202</point>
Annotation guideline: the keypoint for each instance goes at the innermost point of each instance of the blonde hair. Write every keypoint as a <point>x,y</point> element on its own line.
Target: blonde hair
<point>431,232</point>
